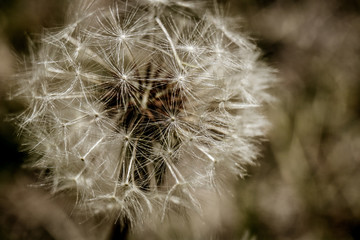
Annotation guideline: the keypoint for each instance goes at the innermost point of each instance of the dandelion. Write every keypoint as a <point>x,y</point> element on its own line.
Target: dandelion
<point>135,107</point>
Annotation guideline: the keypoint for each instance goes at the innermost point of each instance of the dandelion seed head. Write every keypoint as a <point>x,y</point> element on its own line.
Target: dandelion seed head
<point>133,108</point>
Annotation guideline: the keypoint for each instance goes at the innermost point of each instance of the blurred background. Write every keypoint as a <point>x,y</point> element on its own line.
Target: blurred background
<point>306,185</point>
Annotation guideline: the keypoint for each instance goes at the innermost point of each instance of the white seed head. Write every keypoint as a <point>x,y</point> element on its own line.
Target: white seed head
<point>135,107</point>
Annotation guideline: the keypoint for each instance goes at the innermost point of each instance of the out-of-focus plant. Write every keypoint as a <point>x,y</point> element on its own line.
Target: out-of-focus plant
<point>307,186</point>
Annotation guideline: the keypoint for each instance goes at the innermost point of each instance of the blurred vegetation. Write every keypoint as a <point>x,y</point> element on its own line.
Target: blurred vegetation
<point>306,184</point>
